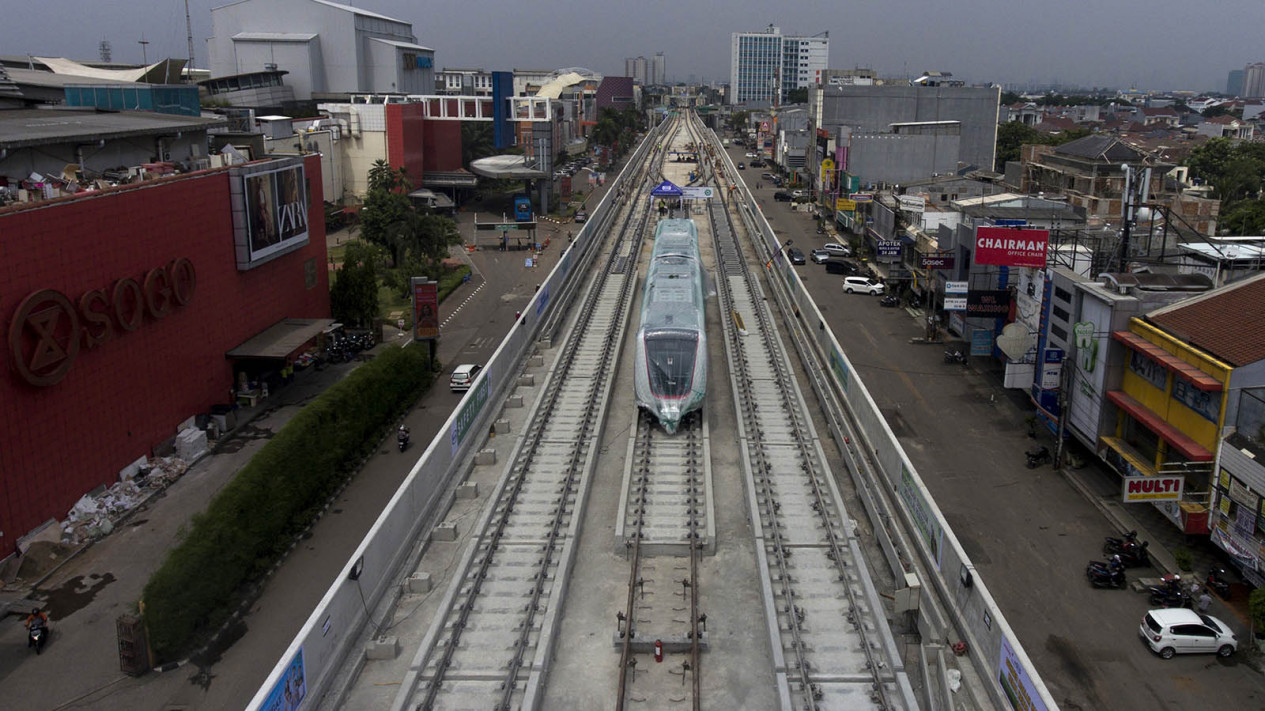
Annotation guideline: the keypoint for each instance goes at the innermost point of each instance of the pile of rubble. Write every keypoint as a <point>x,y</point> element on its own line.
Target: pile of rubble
<point>95,514</point>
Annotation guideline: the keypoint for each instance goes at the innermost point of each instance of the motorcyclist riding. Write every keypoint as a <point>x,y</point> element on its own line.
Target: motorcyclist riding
<point>35,620</point>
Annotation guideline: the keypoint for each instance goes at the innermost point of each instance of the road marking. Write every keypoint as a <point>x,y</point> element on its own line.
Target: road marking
<point>460,306</point>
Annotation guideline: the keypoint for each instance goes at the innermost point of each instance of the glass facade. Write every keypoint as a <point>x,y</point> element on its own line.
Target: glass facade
<point>164,99</point>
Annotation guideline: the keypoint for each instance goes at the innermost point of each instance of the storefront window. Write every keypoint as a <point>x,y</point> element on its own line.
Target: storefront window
<point>1250,420</point>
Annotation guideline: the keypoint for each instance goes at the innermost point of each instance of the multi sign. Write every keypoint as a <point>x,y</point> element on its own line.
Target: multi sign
<point>1153,488</point>
<point>47,330</point>
<point>1011,247</point>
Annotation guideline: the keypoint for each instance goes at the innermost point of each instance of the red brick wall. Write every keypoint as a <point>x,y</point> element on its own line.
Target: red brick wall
<point>127,395</point>
<point>405,140</point>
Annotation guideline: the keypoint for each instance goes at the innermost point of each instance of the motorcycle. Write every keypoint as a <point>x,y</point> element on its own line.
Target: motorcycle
<point>889,300</point>
<point>37,635</point>
<point>1219,582</point>
<point>1104,575</point>
<point>1037,457</point>
<point>954,355</point>
<point>1112,545</point>
<point>1131,551</point>
<point>401,438</point>
<point>1169,593</point>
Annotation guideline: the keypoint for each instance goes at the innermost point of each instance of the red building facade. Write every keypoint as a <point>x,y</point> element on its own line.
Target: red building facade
<point>119,306</point>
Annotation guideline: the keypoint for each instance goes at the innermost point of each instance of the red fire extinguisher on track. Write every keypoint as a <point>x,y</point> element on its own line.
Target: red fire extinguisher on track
<point>658,650</point>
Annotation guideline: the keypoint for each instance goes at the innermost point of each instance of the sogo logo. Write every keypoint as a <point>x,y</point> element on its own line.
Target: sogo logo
<point>47,331</point>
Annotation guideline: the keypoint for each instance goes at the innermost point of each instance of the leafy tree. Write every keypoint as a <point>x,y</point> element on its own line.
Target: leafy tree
<point>1235,170</point>
<point>1215,111</point>
<point>797,96</point>
<point>354,294</point>
<point>1010,97</point>
<point>1012,136</point>
<point>1246,217</point>
<point>391,220</point>
<point>476,141</point>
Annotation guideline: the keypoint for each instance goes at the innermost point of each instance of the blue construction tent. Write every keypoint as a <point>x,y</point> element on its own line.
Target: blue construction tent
<point>666,189</point>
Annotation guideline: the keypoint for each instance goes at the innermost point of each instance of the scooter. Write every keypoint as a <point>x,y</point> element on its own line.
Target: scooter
<point>1219,582</point>
<point>1104,575</point>
<point>1169,593</point>
<point>401,439</point>
<point>1037,457</point>
<point>889,300</point>
<point>37,635</point>
<point>954,355</point>
<point>1112,545</point>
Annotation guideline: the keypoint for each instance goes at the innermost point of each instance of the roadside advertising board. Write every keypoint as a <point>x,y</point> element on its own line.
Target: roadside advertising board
<point>1011,247</point>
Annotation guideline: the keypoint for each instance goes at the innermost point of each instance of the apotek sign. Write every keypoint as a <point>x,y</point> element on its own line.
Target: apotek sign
<point>1011,247</point>
<point>1153,488</point>
<point>47,330</point>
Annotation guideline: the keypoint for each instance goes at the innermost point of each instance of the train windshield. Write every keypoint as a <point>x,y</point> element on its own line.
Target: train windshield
<point>670,362</point>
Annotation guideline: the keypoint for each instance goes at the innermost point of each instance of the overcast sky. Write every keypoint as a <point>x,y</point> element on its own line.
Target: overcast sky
<point>1152,44</point>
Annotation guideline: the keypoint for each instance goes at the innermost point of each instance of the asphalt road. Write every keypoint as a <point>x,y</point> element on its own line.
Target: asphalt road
<point>1029,532</point>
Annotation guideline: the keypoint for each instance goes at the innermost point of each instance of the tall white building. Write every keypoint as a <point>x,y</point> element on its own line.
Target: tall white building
<point>635,67</point>
<point>658,69</point>
<point>765,65</point>
<point>1254,81</point>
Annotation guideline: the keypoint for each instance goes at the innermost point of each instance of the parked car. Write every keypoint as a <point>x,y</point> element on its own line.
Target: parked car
<point>757,163</point>
<point>796,256</point>
<point>861,285</point>
<point>463,377</point>
<point>837,250</point>
<point>839,266</point>
<point>749,155</point>
<point>741,166</point>
<point>581,215</point>
<point>782,196</point>
<point>767,176</point>
<point>799,194</point>
<point>1177,630</point>
<point>819,255</point>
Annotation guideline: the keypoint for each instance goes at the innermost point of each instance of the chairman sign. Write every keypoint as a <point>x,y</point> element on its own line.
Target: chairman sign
<point>1153,488</point>
<point>1011,247</point>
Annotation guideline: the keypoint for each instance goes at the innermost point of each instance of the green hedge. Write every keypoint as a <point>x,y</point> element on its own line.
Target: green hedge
<point>249,525</point>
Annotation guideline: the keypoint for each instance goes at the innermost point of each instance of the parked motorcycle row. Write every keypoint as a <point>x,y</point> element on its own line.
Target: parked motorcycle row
<point>1129,552</point>
<point>342,347</point>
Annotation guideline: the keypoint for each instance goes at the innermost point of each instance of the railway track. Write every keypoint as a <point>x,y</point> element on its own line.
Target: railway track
<point>831,645</point>
<point>489,646</point>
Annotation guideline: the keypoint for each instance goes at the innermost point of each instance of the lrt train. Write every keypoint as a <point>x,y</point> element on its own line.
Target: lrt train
<point>671,359</point>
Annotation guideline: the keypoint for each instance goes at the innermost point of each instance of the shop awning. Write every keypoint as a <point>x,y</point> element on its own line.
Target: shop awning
<point>1197,377</point>
<point>281,339</point>
<point>1189,448</point>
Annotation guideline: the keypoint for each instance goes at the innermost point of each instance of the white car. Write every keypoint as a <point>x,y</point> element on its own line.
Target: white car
<point>463,377</point>
<point>837,250</point>
<point>861,285</point>
<point>750,155</point>
<point>1176,630</point>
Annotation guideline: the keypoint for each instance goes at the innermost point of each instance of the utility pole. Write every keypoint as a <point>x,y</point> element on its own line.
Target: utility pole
<point>144,50</point>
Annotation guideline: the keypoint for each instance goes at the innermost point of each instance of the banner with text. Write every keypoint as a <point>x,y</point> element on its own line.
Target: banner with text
<point>1153,488</point>
<point>1011,247</point>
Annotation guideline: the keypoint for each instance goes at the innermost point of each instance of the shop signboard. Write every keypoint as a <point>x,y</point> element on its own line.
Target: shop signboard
<point>938,260</point>
<point>993,303</point>
<point>845,205</point>
<point>1011,247</point>
<point>698,193</point>
<point>425,309</point>
<point>1051,368</point>
<point>861,197</point>
<point>955,295</point>
<point>889,248</point>
<point>276,210</point>
<point>1152,488</point>
<point>981,341</point>
<point>912,203</point>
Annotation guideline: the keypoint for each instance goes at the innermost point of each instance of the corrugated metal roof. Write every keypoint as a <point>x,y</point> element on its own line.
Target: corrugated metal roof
<point>358,11</point>
<point>8,89</point>
<point>275,36</point>
<point>1228,323</point>
<point>405,45</point>
<point>1101,148</point>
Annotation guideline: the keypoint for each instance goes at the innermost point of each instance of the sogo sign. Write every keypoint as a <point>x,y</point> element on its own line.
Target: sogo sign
<point>47,330</point>
<point>1153,488</point>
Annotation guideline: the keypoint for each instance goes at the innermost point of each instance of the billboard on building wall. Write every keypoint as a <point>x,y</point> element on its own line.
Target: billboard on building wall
<point>1011,247</point>
<point>276,210</point>
<point>270,204</point>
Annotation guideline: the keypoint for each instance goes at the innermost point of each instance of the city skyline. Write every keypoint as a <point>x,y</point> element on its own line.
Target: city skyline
<point>1130,44</point>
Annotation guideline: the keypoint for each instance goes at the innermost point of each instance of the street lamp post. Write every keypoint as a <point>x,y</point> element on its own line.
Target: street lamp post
<point>144,51</point>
